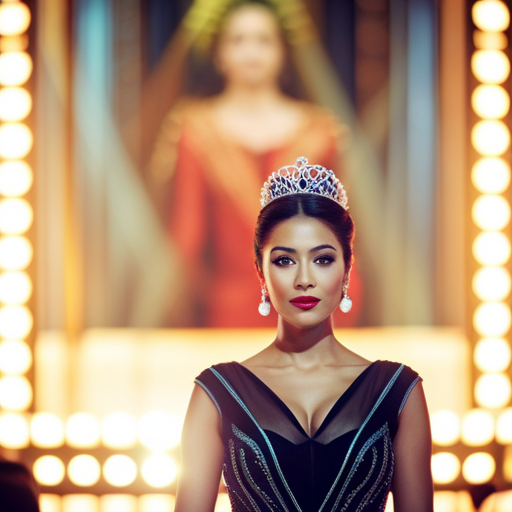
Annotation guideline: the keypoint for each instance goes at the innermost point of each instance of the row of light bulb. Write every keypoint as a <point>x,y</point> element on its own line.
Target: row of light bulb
<point>16,214</point>
<point>491,211</point>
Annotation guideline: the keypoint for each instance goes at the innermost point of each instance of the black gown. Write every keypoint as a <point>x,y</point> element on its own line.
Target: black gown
<point>270,462</point>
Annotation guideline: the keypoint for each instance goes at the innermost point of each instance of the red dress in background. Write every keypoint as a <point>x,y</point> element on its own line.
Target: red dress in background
<point>213,205</point>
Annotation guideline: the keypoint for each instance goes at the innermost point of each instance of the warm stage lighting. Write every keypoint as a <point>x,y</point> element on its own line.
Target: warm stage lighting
<point>15,287</point>
<point>490,40</point>
<point>491,248</point>
<point>120,503</point>
<point>119,430</point>
<point>120,470</point>
<point>445,428</point>
<point>490,101</point>
<point>490,66</point>
<point>15,253</point>
<point>445,467</point>
<point>491,212</point>
<point>14,18</point>
<point>46,430</point>
<point>491,175</point>
<point>16,216</point>
<point>84,470</point>
<point>491,283</point>
<point>492,355</point>
<point>156,503</point>
<point>490,138</point>
<point>82,430</point>
<point>15,68</point>
<point>15,322</point>
<point>504,427</point>
<point>159,470</point>
<point>14,432</point>
<point>477,427</point>
<point>15,104</point>
<point>15,140</point>
<point>159,431</point>
<point>15,357</point>
<point>490,15</point>
<point>478,468</point>
<point>49,470</point>
<point>493,390</point>
<point>15,393</point>
<point>15,178</point>
<point>492,319</point>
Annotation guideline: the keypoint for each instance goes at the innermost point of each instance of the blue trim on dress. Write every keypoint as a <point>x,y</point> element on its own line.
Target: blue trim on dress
<point>406,396</point>
<point>209,393</point>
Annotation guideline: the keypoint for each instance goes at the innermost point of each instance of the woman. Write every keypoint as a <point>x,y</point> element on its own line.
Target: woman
<point>306,424</point>
<point>253,126</point>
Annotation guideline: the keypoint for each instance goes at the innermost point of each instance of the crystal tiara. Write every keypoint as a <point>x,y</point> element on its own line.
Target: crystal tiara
<point>302,178</point>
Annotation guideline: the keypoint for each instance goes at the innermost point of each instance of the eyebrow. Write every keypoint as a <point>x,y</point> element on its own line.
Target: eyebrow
<point>289,249</point>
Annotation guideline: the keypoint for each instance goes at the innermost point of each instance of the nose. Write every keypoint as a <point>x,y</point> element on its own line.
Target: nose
<point>304,278</point>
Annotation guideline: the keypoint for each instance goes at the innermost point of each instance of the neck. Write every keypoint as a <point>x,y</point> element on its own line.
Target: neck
<point>252,96</point>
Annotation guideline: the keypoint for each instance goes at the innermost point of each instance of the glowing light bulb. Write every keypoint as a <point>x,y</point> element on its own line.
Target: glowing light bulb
<point>491,248</point>
<point>490,101</point>
<point>49,470</point>
<point>15,140</point>
<point>491,212</point>
<point>84,470</point>
<point>490,66</point>
<point>15,103</point>
<point>15,287</point>
<point>15,253</point>
<point>493,390</point>
<point>491,175</point>
<point>15,393</point>
<point>492,319</point>
<point>15,68</point>
<point>490,15</point>
<point>15,357</point>
<point>14,432</point>
<point>46,430</point>
<point>82,430</point>
<point>445,427</point>
<point>15,178</point>
<point>156,503</point>
<point>15,322</point>
<point>120,470</point>
<point>490,138</point>
<point>491,283</point>
<point>14,18</point>
<point>159,431</point>
<point>120,503</point>
<point>477,427</point>
<point>504,427</point>
<point>159,470</point>
<point>119,430</point>
<point>16,216</point>
<point>478,468</point>
<point>492,355</point>
<point>445,467</point>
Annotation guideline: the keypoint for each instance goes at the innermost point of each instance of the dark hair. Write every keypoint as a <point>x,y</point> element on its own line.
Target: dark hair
<point>318,207</point>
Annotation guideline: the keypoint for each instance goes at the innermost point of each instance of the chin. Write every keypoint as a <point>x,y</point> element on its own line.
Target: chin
<point>305,319</point>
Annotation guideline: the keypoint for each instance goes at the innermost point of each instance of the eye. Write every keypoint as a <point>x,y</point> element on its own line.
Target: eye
<point>283,261</point>
<point>324,260</point>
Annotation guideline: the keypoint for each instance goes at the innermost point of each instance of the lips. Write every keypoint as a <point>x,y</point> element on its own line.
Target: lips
<point>305,302</point>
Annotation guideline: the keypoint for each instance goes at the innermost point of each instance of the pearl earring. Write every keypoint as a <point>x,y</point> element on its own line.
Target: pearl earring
<point>346,301</point>
<point>264,307</point>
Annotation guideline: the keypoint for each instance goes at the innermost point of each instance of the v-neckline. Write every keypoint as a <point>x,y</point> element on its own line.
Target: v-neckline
<point>290,412</point>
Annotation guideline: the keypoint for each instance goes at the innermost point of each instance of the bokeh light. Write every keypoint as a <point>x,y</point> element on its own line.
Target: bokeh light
<point>159,470</point>
<point>490,66</point>
<point>15,140</point>
<point>490,15</point>
<point>15,322</point>
<point>15,253</point>
<point>478,468</point>
<point>490,138</point>
<point>49,470</point>
<point>490,101</point>
<point>16,216</point>
<point>119,430</point>
<point>491,248</point>
<point>492,355</point>
<point>15,103</point>
<point>16,178</point>
<point>15,68</point>
<point>14,431</point>
<point>491,212</point>
<point>489,40</point>
<point>120,503</point>
<point>491,283</point>
<point>15,357</point>
<point>15,287</point>
<point>14,18</point>
<point>119,470</point>
<point>504,427</point>
<point>491,175</point>
<point>445,427</point>
<point>84,470</point>
<point>492,319</point>
<point>159,431</point>
<point>477,427</point>
<point>156,503</point>
<point>493,390</point>
<point>82,430</point>
<point>46,430</point>
<point>15,393</point>
<point>445,467</point>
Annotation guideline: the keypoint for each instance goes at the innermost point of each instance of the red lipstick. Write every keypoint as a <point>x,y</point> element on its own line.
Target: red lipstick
<point>305,302</point>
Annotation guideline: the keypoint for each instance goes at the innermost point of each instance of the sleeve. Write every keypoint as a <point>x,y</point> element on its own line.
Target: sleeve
<point>206,380</point>
<point>411,379</point>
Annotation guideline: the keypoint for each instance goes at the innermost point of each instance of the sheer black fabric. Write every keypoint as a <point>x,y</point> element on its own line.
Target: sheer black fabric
<point>270,462</point>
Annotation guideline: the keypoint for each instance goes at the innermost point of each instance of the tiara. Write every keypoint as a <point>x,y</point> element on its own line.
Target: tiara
<point>302,178</point>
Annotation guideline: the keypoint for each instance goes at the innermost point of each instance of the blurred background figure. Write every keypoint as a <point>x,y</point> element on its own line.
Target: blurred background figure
<point>18,489</point>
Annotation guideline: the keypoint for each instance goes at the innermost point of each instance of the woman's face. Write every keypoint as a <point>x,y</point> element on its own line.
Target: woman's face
<point>303,269</point>
<point>250,50</point>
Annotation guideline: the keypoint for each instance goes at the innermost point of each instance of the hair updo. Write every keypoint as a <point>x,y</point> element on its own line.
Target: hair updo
<point>334,216</point>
